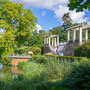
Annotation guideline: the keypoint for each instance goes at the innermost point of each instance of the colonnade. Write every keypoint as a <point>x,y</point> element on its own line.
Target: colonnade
<point>51,40</point>
<point>80,33</point>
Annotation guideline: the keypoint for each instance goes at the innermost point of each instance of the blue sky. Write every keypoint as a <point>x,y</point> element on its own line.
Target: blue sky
<point>46,18</point>
<point>50,12</point>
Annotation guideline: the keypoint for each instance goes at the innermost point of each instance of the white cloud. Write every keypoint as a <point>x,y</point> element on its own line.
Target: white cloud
<point>42,3</point>
<point>38,28</point>
<point>77,17</point>
<point>58,6</point>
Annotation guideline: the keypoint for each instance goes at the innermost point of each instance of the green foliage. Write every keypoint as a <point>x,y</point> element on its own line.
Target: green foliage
<point>67,21</point>
<point>36,50</point>
<point>59,31</point>
<point>51,75</point>
<point>67,58</point>
<point>88,33</point>
<point>39,59</point>
<point>20,65</point>
<point>15,18</point>
<point>17,24</point>
<point>79,5</point>
<point>21,50</point>
<point>55,70</point>
<point>7,46</point>
<point>33,71</point>
<point>36,39</point>
<point>83,50</point>
<point>5,60</point>
<point>79,75</point>
<point>43,68</point>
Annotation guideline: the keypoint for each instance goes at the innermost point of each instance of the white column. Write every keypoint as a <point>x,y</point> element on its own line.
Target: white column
<point>80,35</point>
<point>52,41</point>
<point>49,41</point>
<point>86,35</point>
<point>58,40</point>
<point>74,35</point>
<point>55,41</point>
<point>68,35</point>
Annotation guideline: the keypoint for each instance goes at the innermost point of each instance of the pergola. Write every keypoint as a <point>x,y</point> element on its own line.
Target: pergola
<point>51,40</point>
<point>80,28</point>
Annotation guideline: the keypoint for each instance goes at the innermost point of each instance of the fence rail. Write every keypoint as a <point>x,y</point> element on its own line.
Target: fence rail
<point>63,58</point>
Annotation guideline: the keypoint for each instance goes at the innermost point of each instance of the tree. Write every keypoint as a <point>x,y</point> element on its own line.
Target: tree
<point>79,5</point>
<point>36,39</point>
<point>7,46</point>
<point>59,31</point>
<point>17,24</point>
<point>67,21</point>
<point>15,18</point>
<point>42,32</point>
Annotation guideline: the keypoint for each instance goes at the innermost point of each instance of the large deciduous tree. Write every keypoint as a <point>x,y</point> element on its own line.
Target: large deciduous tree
<point>79,5</point>
<point>15,18</point>
<point>17,23</point>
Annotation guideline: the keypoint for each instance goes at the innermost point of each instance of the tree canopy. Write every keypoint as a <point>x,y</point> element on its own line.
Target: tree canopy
<point>17,23</point>
<point>36,39</point>
<point>67,21</point>
<point>15,18</point>
<point>79,5</point>
<point>59,31</point>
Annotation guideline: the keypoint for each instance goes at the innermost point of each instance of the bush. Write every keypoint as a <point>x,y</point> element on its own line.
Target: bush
<point>79,75</point>
<point>55,70</point>
<point>22,50</point>
<point>67,58</point>
<point>36,50</point>
<point>5,60</point>
<point>33,71</point>
<point>39,59</point>
<point>51,69</point>
<point>20,65</point>
<point>83,50</point>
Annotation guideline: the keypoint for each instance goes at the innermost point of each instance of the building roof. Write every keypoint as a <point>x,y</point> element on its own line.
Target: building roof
<point>51,35</point>
<point>79,26</point>
<point>22,57</point>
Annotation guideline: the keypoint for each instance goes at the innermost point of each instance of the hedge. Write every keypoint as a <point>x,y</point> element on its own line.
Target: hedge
<point>83,50</point>
<point>63,58</point>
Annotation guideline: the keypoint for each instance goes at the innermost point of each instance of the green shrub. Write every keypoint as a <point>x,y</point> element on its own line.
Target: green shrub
<point>67,58</point>
<point>79,75</point>
<point>31,54</point>
<point>83,50</point>
<point>33,71</point>
<point>39,59</point>
<point>49,75</point>
<point>51,69</point>
<point>20,65</point>
<point>55,70</point>
<point>36,50</point>
<point>22,50</point>
<point>5,60</point>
